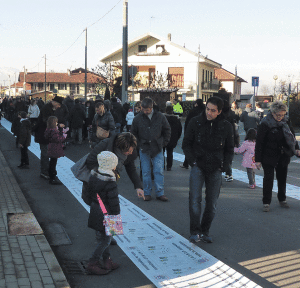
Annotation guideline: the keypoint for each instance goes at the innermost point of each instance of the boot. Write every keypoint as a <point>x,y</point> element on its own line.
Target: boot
<point>94,268</point>
<point>108,264</point>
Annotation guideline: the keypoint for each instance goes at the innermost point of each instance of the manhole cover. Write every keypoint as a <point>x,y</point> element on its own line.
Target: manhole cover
<point>57,235</point>
<point>23,224</point>
<point>74,267</point>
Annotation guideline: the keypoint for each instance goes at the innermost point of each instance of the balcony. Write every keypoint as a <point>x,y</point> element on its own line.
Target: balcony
<point>210,86</point>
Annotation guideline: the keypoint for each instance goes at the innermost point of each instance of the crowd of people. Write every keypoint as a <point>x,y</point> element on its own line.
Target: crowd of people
<point>211,139</point>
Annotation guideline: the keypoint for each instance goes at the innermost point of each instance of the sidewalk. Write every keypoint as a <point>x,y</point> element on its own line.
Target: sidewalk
<point>27,260</point>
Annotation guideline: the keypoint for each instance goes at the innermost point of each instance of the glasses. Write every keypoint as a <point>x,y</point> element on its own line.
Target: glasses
<point>279,115</point>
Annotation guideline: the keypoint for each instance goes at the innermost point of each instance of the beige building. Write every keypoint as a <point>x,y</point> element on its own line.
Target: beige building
<point>154,56</point>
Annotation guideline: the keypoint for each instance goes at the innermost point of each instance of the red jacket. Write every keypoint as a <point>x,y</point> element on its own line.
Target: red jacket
<point>55,146</point>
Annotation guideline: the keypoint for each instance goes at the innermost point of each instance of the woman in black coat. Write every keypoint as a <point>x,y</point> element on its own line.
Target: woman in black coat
<point>176,130</point>
<point>275,145</point>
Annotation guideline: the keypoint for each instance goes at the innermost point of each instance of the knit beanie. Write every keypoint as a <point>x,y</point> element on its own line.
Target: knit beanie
<point>107,162</point>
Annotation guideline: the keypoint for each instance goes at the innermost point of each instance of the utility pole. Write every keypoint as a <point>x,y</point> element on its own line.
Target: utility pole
<point>85,76</point>
<point>235,84</point>
<point>15,85</point>
<point>45,81</point>
<point>125,52</point>
<point>9,86</point>
<point>24,83</point>
<point>198,74</point>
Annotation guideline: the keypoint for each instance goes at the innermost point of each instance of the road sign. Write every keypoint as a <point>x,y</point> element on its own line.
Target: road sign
<point>255,81</point>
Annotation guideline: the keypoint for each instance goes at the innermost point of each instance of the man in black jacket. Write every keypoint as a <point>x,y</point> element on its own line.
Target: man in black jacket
<point>208,146</point>
<point>153,132</point>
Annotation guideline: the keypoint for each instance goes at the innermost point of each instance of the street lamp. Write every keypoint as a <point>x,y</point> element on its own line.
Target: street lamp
<point>275,77</point>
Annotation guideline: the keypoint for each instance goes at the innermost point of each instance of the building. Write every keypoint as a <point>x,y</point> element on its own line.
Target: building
<point>230,82</point>
<point>156,57</point>
<point>63,83</point>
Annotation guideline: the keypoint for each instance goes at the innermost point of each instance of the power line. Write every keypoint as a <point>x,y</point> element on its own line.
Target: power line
<point>104,15</point>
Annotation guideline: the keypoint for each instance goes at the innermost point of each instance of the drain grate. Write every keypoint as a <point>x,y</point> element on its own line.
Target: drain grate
<point>74,267</point>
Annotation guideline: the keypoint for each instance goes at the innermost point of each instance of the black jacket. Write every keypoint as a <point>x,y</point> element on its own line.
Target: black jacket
<point>77,116</point>
<point>106,121</point>
<point>108,192</point>
<point>196,111</point>
<point>250,119</point>
<point>25,133</point>
<point>269,146</point>
<point>209,143</point>
<point>152,135</point>
<point>176,129</point>
<point>108,145</point>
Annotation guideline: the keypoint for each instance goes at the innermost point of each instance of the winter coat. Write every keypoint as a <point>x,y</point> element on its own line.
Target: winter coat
<point>33,111</point>
<point>69,103</point>
<point>196,111</point>
<point>230,117</point>
<point>108,192</point>
<point>209,144</point>
<point>106,121</point>
<point>109,145</point>
<point>41,126</point>
<point>237,112</point>
<point>25,132</point>
<point>247,149</point>
<point>15,126</point>
<point>129,118</point>
<point>20,106</point>
<point>62,114</point>
<point>176,129</point>
<point>250,119</point>
<point>117,112</point>
<point>270,143</point>
<point>55,146</point>
<point>152,135</point>
<point>77,116</point>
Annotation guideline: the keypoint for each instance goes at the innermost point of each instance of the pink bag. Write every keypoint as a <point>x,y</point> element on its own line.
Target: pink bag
<point>113,223</point>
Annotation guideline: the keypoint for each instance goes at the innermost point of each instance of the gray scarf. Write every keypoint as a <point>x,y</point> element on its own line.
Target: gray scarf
<point>288,135</point>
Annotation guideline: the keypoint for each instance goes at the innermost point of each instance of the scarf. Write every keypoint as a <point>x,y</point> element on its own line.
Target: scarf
<point>288,135</point>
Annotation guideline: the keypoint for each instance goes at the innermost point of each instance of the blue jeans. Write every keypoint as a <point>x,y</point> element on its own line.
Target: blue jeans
<point>102,249</point>
<point>212,182</point>
<point>158,172</point>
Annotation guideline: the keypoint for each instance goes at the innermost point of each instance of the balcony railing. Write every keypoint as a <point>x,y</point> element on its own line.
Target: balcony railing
<point>210,86</point>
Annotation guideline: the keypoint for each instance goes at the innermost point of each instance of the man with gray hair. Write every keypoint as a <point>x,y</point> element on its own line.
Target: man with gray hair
<point>153,132</point>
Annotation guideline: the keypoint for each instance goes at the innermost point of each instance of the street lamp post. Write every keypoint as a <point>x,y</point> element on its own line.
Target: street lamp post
<point>275,77</point>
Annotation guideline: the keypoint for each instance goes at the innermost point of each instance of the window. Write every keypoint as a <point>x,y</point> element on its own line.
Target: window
<point>51,86</point>
<point>142,48</point>
<point>62,86</point>
<point>176,77</point>
<point>160,48</point>
<point>40,86</point>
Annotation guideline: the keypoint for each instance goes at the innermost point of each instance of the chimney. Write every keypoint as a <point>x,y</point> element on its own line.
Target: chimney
<point>169,36</point>
<point>69,73</point>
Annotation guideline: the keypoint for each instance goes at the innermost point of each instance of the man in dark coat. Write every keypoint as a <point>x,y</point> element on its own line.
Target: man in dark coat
<point>47,111</point>
<point>24,139</point>
<point>176,130</point>
<point>250,118</point>
<point>76,118</point>
<point>199,107</point>
<point>153,132</point>
<point>118,113</point>
<point>208,146</point>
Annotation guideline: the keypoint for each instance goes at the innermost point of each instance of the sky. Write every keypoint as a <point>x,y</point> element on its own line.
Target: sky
<point>261,38</point>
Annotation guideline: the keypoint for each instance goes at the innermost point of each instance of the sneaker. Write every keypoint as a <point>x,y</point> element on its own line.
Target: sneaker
<point>23,166</point>
<point>194,238</point>
<point>113,241</point>
<point>162,198</point>
<point>182,166</point>
<point>226,177</point>
<point>42,175</point>
<point>266,208</point>
<point>252,186</point>
<point>206,239</point>
<point>147,198</point>
<point>284,204</point>
<point>229,179</point>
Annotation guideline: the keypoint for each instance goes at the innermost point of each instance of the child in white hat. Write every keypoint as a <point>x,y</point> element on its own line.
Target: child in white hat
<point>103,183</point>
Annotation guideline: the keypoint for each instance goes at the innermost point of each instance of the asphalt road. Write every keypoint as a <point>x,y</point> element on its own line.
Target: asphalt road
<point>256,244</point>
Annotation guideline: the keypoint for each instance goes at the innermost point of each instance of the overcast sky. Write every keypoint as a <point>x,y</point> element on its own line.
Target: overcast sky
<point>261,38</point>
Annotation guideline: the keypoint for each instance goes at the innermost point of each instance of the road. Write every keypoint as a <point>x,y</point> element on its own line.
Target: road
<point>264,247</point>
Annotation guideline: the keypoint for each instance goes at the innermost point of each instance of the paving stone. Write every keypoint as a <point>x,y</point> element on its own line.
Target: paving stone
<point>32,270</point>
<point>45,273</point>
<point>18,261</point>
<point>34,277</point>
<point>42,266</point>
<point>21,274</point>
<point>23,281</point>
<point>30,264</point>
<point>37,254</point>
<point>39,261</point>
<point>47,280</point>
<point>36,284</point>
<point>9,271</point>
<point>50,286</point>
<point>10,278</point>
<point>12,285</point>
<point>28,259</point>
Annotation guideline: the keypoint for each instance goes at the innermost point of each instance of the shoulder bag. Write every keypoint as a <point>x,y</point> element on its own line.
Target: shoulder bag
<point>113,223</point>
<point>80,171</point>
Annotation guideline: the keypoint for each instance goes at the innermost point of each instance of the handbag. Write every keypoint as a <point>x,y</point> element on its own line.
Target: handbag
<point>101,133</point>
<point>80,171</point>
<point>113,223</point>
